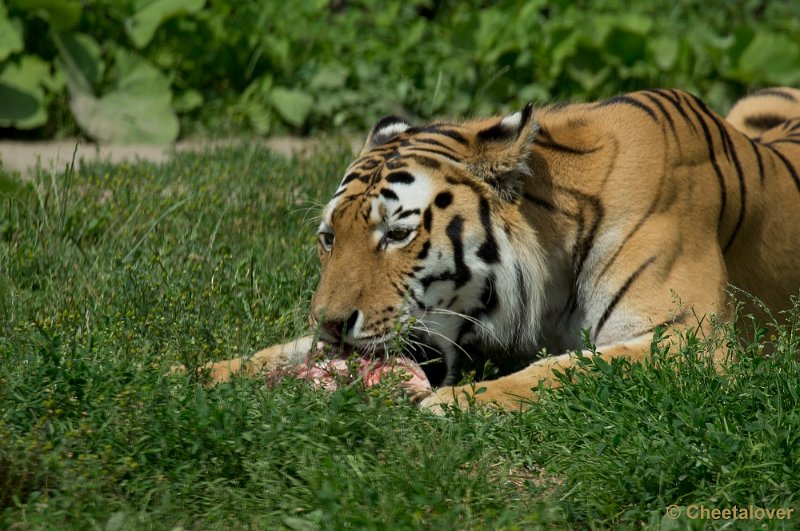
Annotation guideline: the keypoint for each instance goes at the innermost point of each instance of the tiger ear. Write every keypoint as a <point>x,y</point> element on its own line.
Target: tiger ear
<point>502,152</point>
<point>386,129</point>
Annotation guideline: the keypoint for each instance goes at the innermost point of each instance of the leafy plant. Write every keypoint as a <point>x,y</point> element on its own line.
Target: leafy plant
<point>228,66</point>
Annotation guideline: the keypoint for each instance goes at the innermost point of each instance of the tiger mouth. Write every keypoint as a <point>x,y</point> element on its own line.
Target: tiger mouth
<point>368,347</point>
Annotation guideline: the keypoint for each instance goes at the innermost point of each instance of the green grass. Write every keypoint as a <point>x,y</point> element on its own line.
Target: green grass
<point>110,275</point>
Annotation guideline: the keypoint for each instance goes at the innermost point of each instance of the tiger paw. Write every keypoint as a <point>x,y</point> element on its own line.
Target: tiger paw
<point>462,397</point>
<point>481,394</point>
<point>220,371</point>
<point>217,372</point>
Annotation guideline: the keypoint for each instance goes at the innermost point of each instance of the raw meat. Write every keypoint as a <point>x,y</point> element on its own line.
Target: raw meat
<point>329,372</point>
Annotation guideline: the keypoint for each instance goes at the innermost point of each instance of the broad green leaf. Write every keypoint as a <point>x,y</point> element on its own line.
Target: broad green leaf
<point>22,98</point>
<point>138,76</point>
<point>292,105</point>
<point>120,117</point>
<point>330,76</point>
<point>771,58</point>
<point>627,40</point>
<point>143,24</point>
<point>259,116</point>
<point>589,79</point>
<point>138,110</point>
<point>256,106</point>
<point>84,52</point>
<point>10,34</point>
<point>61,14</point>
<point>664,51</point>
<point>188,101</point>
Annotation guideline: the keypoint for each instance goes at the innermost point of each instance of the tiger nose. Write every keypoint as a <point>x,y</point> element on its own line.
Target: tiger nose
<point>338,328</point>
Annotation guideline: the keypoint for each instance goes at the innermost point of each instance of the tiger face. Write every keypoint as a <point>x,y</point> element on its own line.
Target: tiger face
<point>417,243</point>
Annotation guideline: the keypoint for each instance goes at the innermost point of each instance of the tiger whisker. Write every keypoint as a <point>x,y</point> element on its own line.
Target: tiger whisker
<point>427,330</point>
<point>468,318</point>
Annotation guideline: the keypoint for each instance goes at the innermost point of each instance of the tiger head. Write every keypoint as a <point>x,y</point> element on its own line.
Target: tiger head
<point>424,240</point>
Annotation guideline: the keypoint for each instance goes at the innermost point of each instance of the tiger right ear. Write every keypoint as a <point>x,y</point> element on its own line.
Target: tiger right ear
<point>386,129</point>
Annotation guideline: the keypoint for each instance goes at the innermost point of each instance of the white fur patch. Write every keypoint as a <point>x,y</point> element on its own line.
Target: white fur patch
<point>392,130</point>
<point>512,120</point>
<point>418,194</point>
<point>415,196</point>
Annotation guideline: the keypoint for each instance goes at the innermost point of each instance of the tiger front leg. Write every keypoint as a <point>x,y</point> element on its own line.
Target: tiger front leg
<point>271,358</point>
<point>515,391</point>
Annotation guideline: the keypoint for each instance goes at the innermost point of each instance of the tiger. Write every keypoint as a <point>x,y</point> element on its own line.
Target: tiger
<point>520,235</point>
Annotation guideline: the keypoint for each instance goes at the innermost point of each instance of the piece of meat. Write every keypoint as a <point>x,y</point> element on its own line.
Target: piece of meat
<point>327,368</point>
<point>328,372</point>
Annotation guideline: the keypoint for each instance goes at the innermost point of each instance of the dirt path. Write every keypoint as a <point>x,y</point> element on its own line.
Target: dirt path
<point>57,154</point>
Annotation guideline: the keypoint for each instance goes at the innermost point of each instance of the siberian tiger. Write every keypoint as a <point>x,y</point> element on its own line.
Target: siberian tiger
<point>509,236</point>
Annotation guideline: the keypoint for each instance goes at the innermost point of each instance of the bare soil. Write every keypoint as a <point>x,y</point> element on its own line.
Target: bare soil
<point>55,155</point>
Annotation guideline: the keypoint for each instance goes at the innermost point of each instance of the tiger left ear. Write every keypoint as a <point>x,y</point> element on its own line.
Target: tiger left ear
<point>386,129</point>
<point>512,128</point>
<point>503,151</point>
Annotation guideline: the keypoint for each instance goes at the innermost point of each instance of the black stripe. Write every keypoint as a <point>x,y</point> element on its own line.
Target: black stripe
<point>408,213</point>
<point>771,92</point>
<point>731,151</point>
<point>394,162</point>
<point>497,133</point>
<point>430,141</point>
<point>550,207</point>
<point>757,152</point>
<point>389,194</point>
<point>650,211</point>
<point>488,251</point>
<point>627,100</point>
<point>762,122</point>
<point>349,177</point>
<point>586,242</point>
<point>426,161</point>
<point>427,218</point>
<point>435,152</point>
<point>369,164</point>
<point>788,165</point>
<point>461,273</point>
<point>550,143</point>
<point>449,133</point>
<point>423,253</point>
<point>723,193</point>
<point>664,112</point>
<point>472,185</point>
<point>400,177</point>
<point>677,320</point>
<point>621,293</point>
<point>675,101</point>
<point>784,141</point>
<point>524,296</point>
